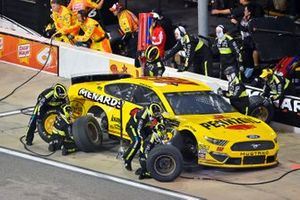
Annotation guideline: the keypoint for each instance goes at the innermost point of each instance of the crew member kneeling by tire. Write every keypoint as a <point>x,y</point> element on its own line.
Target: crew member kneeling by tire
<point>61,134</point>
<point>236,91</point>
<point>138,127</point>
<point>49,98</point>
<point>158,134</point>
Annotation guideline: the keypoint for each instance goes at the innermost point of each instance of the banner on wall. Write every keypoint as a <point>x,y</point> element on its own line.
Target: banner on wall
<point>28,53</point>
<point>117,67</point>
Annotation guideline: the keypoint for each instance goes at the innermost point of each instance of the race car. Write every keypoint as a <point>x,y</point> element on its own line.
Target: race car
<point>209,131</point>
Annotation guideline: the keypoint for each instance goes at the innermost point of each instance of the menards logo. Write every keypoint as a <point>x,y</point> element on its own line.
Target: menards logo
<point>112,102</point>
<point>230,122</point>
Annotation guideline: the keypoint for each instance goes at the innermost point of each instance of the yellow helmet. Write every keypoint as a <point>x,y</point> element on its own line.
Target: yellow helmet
<point>66,110</point>
<point>266,73</point>
<point>155,109</point>
<point>60,91</point>
<point>152,53</point>
<point>160,129</point>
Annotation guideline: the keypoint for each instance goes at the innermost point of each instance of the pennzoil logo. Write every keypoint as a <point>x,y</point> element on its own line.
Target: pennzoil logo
<point>112,102</point>
<point>231,123</point>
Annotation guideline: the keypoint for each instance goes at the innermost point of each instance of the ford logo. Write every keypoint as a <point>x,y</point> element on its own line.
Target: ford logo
<point>255,146</point>
<point>253,136</point>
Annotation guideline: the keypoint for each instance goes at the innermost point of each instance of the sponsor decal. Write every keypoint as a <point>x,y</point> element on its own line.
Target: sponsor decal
<point>115,119</point>
<point>241,127</point>
<point>112,102</point>
<point>117,67</point>
<point>255,153</point>
<point>1,47</point>
<point>231,123</point>
<point>44,56</point>
<point>28,53</point>
<point>169,80</point>
<point>24,50</point>
<point>77,108</point>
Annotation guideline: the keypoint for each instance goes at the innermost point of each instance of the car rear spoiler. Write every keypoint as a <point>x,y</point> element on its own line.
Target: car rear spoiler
<point>98,77</point>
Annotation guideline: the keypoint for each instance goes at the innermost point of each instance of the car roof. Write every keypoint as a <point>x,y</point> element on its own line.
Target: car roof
<point>167,84</point>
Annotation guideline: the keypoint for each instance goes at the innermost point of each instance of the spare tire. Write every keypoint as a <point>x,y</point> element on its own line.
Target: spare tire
<point>165,163</point>
<point>87,134</point>
<point>260,108</point>
<point>45,124</point>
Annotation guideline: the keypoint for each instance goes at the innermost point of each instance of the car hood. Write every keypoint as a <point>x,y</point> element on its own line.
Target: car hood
<point>230,126</point>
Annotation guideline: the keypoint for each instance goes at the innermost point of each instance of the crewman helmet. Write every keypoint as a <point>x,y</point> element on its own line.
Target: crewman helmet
<point>152,53</point>
<point>60,91</point>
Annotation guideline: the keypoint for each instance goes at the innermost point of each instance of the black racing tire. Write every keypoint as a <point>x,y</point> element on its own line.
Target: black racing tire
<point>165,163</point>
<point>260,108</point>
<point>87,134</point>
<point>45,124</point>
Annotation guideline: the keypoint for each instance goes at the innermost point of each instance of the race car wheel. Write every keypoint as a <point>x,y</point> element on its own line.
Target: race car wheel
<point>165,163</point>
<point>87,133</point>
<point>45,125</point>
<point>260,108</point>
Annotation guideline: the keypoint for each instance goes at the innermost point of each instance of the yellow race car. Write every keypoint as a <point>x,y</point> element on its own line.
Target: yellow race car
<point>209,131</point>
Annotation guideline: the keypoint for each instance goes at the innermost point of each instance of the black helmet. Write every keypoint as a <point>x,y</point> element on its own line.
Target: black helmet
<point>152,53</point>
<point>155,109</point>
<point>229,70</point>
<point>60,91</point>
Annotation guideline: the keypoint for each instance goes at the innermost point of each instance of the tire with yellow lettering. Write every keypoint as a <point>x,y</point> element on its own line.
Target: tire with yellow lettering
<point>45,125</point>
<point>165,163</point>
<point>261,108</point>
<point>87,133</point>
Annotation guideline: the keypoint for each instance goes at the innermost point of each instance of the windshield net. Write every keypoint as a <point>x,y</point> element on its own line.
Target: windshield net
<point>192,103</point>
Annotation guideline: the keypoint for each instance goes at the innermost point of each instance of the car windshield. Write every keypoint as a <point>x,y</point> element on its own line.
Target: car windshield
<point>202,102</point>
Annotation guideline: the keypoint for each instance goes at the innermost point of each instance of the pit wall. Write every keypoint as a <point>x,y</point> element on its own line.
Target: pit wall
<point>67,61</point>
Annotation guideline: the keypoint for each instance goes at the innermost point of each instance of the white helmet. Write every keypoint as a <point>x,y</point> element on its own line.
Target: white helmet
<point>179,32</point>
<point>156,16</point>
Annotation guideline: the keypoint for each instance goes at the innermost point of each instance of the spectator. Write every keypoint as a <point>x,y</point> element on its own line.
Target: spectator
<point>236,13</point>
<point>128,23</point>
<point>158,35</point>
<point>228,50</point>
<point>196,54</point>
<point>249,53</point>
<point>93,36</point>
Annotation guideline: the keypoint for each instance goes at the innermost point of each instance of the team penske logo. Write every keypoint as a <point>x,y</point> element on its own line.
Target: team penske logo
<point>231,123</point>
<point>100,98</point>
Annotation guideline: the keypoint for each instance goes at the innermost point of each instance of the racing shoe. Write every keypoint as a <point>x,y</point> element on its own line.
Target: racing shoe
<point>51,147</point>
<point>138,171</point>
<point>128,166</point>
<point>28,143</point>
<point>144,175</point>
<point>64,151</point>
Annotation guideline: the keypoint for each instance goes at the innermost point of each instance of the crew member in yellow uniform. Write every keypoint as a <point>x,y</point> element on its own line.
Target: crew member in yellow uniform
<point>76,5</point>
<point>128,23</point>
<point>62,19</point>
<point>93,32</point>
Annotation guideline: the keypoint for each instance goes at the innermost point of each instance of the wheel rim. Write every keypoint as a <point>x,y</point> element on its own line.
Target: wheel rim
<point>261,113</point>
<point>164,165</point>
<point>49,122</point>
<point>93,132</point>
<point>103,123</point>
